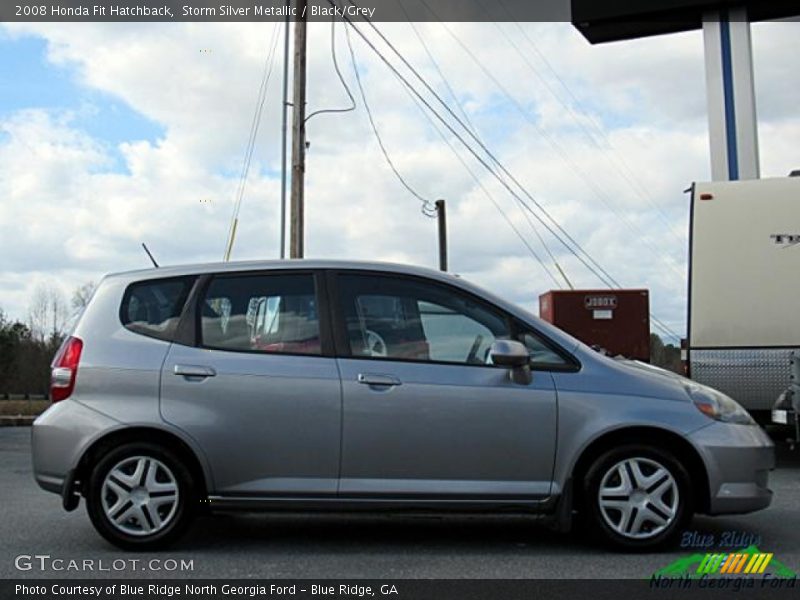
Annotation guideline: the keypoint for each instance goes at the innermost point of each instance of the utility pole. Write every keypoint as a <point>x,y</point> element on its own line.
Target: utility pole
<point>298,134</point>
<point>284,128</point>
<point>441,218</point>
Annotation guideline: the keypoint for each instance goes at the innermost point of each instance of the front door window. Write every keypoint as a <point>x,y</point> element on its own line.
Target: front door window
<point>411,320</point>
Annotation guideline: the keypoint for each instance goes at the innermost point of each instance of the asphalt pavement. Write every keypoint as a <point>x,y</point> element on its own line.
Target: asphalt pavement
<point>320,546</point>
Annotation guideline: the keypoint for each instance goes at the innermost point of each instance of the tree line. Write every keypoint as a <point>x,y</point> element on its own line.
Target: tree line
<point>666,356</point>
<point>27,347</point>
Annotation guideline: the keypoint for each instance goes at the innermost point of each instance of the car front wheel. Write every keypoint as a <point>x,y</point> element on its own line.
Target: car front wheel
<point>637,497</point>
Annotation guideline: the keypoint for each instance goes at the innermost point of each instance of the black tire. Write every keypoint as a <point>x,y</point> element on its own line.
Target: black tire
<point>605,522</point>
<point>176,516</point>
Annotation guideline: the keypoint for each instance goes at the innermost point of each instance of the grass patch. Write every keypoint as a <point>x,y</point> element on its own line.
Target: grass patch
<point>23,407</point>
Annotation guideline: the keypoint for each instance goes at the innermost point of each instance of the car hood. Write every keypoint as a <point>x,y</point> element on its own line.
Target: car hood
<point>624,377</point>
<point>653,370</point>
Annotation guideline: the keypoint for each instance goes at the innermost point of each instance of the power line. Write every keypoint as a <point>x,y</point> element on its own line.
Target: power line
<point>605,273</point>
<point>472,151</point>
<point>475,131</point>
<point>633,182</point>
<point>352,106</point>
<point>428,209</point>
<point>483,188</point>
<point>546,247</point>
<point>436,66</point>
<point>251,141</point>
<point>557,147</point>
<point>622,165</point>
<point>592,264</point>
<point>606,149</point>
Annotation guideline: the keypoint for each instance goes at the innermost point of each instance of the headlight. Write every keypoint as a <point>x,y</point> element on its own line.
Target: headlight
<point>717,405</point>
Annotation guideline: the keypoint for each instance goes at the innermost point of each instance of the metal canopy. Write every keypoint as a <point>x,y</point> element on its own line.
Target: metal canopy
<point>616,20</point>
<point>733,128</point>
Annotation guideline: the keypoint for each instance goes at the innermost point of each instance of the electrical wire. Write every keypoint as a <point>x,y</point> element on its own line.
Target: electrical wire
<point>463,112</point>
<point>483,188</point>
<point>598,270</point>
<point>352,106</point>
<point>591,184</point>
<point>535,229</point>
<point>606,149</point>
<point>436,66</point>
<point>251,141</point>
<point>428,208</point>
<point>582,256</point>
<point>625,171</point>
<point>472,151</point>
<point>576,249</point>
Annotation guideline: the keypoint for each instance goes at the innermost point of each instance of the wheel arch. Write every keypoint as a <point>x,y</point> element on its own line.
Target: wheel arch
<point>662,439</point>
<point>141,434</point>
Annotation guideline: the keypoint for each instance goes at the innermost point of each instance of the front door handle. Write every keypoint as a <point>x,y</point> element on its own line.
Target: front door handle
<point>194,371</point>
<point>382,380</point>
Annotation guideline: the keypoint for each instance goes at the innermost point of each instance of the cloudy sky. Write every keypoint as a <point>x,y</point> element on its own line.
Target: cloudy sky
<point>117,134</point>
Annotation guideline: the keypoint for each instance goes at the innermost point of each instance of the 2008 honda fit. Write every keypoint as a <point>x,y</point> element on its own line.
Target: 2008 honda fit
<point>338,385</point>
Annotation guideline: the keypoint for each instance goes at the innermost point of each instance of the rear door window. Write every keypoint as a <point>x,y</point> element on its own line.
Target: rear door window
<point>153,308</point>
<point>261,313</point>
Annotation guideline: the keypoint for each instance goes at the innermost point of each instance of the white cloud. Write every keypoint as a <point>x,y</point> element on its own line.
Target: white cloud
<point>67,216</point>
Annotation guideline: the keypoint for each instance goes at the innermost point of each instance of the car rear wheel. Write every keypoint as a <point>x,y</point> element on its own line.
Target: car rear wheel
<point>140,496</point>
<point>637,497</point>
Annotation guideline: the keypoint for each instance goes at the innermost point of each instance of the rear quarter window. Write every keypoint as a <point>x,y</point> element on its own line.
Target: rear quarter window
<point>153,308</point>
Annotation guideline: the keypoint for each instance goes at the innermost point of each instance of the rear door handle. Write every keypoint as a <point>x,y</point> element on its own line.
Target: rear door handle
<point>194,371</point>
<point>372,379</point>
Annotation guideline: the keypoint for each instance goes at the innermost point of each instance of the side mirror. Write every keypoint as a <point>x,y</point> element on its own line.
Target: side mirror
<point>514,355</point>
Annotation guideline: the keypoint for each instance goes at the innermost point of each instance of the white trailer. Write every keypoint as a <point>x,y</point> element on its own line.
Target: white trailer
<point>744,286</point>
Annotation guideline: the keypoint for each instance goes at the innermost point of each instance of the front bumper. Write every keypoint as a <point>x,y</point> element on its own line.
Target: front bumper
<point>738,460</point>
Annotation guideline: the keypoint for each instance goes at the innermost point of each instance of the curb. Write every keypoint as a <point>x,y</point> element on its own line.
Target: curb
<point>18,421</point>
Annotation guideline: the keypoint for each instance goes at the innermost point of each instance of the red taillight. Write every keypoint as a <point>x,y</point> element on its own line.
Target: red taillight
<point>65,369</point>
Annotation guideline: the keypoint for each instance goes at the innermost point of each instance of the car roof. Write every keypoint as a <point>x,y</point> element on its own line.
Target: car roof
<point>291,264</point>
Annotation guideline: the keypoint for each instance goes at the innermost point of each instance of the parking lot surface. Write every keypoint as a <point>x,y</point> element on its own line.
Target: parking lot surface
<point>323,546</point>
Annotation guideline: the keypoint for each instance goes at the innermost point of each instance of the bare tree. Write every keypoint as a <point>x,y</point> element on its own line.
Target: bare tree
<point>82,294</point>
<point>48,312</point>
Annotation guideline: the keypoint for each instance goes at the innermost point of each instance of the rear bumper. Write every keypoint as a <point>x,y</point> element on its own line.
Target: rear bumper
<point>59,437</point>
<point>738,460</point>
<point>50,483</point>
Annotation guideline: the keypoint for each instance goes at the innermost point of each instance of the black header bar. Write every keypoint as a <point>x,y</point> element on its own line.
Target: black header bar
<point>276,10</point>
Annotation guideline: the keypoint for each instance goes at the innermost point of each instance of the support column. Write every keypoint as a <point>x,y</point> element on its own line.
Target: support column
<point>732,124</point>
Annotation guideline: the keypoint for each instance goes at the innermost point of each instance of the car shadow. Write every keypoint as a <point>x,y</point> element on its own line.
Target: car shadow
<point>357,533</point>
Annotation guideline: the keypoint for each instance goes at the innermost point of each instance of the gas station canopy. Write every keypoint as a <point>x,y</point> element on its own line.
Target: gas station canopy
<point>614,20</point>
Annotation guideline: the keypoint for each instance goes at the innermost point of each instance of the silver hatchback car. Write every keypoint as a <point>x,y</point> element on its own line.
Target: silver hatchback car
<point>321,385</point>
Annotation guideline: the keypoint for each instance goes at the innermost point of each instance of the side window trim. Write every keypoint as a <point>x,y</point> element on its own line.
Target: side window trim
<point>320,294</point>
<point>341,342</point>
<point>188,332</point>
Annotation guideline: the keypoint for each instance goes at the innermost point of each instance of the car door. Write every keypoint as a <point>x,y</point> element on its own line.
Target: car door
<point>425,413</point>
<point>259,389</point>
